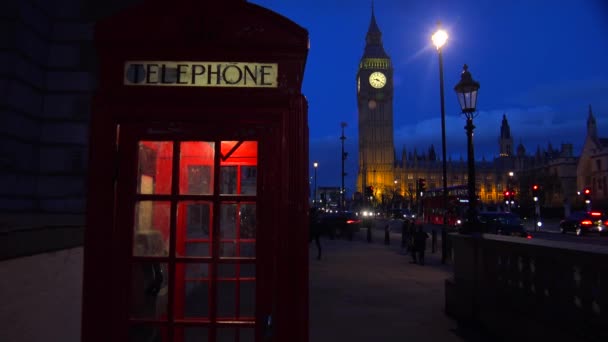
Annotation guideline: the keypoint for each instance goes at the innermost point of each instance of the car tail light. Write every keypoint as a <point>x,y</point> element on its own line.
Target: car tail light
<point>596,214</point>
<point>605,223</point>
<point>586,223</point>
<point>352,221</point>
<point>529,236</point>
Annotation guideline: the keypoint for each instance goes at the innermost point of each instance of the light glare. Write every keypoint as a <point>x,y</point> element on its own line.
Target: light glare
<point>439,38</point>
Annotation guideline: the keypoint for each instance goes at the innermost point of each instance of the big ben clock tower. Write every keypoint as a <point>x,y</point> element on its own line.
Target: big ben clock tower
<point>375,105</point>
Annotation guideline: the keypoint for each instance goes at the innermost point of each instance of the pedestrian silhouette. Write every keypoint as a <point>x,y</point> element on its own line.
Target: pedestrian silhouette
<point>315,229</point>
<point>420,237</point>
<point>403,233</point>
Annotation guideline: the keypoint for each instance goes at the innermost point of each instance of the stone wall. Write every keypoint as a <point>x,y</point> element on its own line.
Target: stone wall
<point>46,81</point>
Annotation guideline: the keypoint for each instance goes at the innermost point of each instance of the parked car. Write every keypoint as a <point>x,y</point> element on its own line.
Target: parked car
<point>583,222</point>
<point>403,214</point>
<point>503,223</point>
<point>340,224</point>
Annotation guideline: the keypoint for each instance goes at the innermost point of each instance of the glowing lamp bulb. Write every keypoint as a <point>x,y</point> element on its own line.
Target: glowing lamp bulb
<point>439,38</point>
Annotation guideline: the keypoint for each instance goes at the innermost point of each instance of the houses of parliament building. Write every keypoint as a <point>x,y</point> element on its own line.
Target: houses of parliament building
<point>559,173</point>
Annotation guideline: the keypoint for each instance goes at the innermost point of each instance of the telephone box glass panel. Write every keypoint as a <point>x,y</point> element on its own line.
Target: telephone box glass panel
<point>149,282</point>
<point>238,170</point>
<point>237,229</point>
<point>193,292</point>
<point>154,170</point>
<point>194,235</point>
<point>196,167</point>
<point>151,230</point>
<point>194,247</point>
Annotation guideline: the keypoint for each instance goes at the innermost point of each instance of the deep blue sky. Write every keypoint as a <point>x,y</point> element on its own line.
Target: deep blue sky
<point>540,62</point>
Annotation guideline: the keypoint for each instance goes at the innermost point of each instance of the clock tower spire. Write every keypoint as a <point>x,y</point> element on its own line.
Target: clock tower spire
<point>375,106</point>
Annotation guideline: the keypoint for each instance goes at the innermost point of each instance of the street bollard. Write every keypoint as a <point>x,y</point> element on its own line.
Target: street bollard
<point>433,240</point>
<point>403,234</point>
<point>444,245</point>
<point>387,239</point>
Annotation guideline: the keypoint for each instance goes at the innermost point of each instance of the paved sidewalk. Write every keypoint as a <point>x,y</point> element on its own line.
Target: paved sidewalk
<point>370,292</point>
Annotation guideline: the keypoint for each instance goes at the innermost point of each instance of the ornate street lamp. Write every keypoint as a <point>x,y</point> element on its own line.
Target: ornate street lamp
<point>316,165</point>
<point>439,39</point>
<point>466,90</point>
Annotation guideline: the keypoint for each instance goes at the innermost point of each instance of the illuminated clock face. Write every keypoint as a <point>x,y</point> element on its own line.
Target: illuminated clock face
<point>377,79</point>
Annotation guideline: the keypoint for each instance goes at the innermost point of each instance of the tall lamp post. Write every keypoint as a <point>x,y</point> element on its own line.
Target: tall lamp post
<point>374,202</point>
<point>344,154</point>
<point>466,90</point>
<point>314,202</point>
<point>510,190</point>
<point>395,195</point>
<point>440,37</point>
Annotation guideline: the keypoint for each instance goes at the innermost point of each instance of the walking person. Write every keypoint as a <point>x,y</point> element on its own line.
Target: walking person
<point>410,242</point>
<point>404,228</point>
<point>315,229</point>
<point>420,238</point>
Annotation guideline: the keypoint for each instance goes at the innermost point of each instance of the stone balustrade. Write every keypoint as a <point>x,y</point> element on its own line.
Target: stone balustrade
<point>529,288</point>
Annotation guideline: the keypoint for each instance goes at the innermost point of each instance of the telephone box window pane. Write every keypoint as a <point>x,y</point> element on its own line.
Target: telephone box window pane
<point>238,223</point>
<point>151,230</point>
<point>226,299</point>
<point>196,167</point>
<point>249,175</point>
<point>154,167</point>
<point>228,176</point>
<point>194,222</point>
<point>247,299</point>
<point>246,335</point>
<point>248,221</point>
<point>247,250</point>
<point>238,172</point>
<point>225,334</point>
<point>228,220</point>
<point>192,334</point>
<point>247,270</point>
<point>148,290</point>
<point>227,250</point>
<point>192,290</point>
<point>226,270</point>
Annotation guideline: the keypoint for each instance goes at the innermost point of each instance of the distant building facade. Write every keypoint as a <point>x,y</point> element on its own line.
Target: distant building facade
<point>557,171</point>
<point>592,168</point>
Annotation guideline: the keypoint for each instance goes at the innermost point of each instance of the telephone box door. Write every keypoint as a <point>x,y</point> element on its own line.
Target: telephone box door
<point>193,228</point>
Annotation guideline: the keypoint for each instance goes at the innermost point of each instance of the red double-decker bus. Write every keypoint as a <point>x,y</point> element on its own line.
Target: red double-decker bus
<point>433,208</point>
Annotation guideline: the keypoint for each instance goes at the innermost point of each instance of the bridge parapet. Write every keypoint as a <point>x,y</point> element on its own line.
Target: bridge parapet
<point>520,288</point>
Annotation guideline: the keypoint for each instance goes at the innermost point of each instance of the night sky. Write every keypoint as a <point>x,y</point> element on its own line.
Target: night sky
<point>540,62</point>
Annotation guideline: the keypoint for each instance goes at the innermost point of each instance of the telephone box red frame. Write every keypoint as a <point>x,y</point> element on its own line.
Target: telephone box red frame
<point>189,30</point>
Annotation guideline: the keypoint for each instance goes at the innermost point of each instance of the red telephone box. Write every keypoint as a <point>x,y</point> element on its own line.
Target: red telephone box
<point>197,206</point>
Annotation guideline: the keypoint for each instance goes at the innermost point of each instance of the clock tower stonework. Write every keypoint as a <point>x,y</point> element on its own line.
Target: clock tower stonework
<point>375,106</point>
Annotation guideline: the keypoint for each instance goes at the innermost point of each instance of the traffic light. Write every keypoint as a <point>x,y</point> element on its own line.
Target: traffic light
<point>369,191</point>
<point>535,191</point>
<point>509,195</point>
<point>587,194</point>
